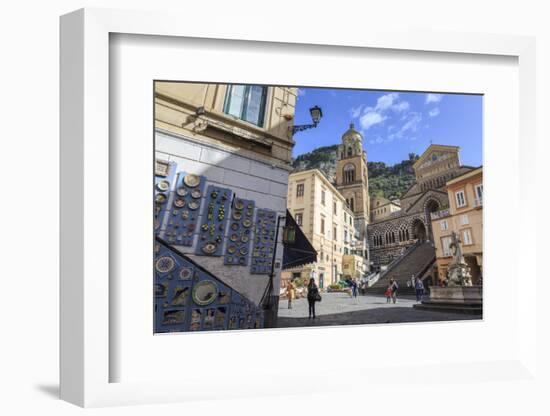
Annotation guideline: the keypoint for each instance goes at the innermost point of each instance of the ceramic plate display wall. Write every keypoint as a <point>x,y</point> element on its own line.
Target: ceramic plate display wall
<point>263,244</point>
<point>215,212</point>
<point>237,249</point>
<point>183,216</point>
<point>188,298</point>
<point>162,187</point>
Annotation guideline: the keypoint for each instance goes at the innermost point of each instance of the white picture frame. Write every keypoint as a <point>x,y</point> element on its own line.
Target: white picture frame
<point>86,355</point>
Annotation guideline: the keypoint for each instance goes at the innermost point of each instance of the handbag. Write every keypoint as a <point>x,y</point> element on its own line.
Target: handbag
<point>317,297</point>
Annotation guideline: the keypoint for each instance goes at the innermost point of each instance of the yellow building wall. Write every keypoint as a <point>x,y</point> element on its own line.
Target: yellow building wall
<point>474,213</point>
<point>175,111</point>
<point>329,247</point>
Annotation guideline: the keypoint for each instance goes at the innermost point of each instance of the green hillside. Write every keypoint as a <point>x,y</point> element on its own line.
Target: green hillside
<point>384,180</point>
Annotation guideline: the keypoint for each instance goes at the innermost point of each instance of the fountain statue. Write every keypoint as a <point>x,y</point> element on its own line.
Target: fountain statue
<point>459,295</point>
<point>458,273</point>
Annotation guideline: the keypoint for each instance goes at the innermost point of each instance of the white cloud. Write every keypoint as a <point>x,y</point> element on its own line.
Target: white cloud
<point>412,123</point>
<point>370,118</point>
<point>433,98</point>
<point>434,112</point>
<point>401,106</point>
<point>386,101</point>
<point>356,111</point>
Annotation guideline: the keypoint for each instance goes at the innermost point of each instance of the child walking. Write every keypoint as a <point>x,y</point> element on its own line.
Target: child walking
<point>388,294</point>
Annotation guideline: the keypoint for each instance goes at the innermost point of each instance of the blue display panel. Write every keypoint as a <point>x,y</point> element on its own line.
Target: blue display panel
<point>263,246</point>
<point>183,211</point>
<point>215,212</point>
<point>164,178</point>
<point>239,235</point>
<point>188,298</point>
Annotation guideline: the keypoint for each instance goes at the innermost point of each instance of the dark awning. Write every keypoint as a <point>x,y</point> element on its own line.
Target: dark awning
<point>297,248</point>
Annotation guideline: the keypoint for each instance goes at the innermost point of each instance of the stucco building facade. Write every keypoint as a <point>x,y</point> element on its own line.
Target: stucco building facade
<point>323,216</point>
<point>464,216</point>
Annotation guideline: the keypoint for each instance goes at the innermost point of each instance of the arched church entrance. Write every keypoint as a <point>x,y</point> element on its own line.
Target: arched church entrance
<point>419,230</point>
<point>432,205</point>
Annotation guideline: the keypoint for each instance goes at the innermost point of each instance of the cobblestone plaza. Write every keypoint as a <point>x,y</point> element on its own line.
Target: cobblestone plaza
<point>342,309</point>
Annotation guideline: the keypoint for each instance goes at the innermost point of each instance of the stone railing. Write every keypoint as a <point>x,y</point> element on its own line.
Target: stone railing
<point>440,214</point>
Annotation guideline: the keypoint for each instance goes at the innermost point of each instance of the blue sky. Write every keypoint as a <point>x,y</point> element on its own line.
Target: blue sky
<point>393,124</point>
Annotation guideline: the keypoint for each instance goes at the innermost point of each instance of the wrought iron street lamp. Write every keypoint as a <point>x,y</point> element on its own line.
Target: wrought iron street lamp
<point>316,116</point>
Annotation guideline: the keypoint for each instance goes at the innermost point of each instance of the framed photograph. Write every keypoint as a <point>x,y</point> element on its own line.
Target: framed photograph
<point>231,206</point>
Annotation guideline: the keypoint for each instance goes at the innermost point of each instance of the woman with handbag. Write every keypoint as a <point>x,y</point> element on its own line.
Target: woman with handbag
<point>312,297</point>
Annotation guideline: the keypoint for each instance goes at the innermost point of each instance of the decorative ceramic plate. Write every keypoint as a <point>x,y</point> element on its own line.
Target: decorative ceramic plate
<point>191,180</point>
<point>205,292</point>
<point>181,191</point>
<point>234,237</point>
<point>247,223</point>
<point>239,204</point>
<point>163,186</point>
<point>237,215</point>
<point>244,251</point>
<point>210,247</point>
<point>164,264</point>
<point>242,260</point>
<point>196,193</point>
<point>193,205</point>
<point>231,249</point>
<point>161,198</point>
<point>229,259</point>
<point>234,226</point>
<point>186,273</point>
<point>244,239</point>
<point>178,202</point>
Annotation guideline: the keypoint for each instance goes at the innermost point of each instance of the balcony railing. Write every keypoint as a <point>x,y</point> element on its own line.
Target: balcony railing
<point>478,202</point>
<point>440,214</point>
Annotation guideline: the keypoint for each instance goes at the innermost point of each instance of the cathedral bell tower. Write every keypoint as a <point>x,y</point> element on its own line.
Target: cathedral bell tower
<point>352,179</point>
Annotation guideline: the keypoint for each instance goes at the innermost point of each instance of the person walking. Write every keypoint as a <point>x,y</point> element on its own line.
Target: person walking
<point>394,288</point>
<point>419,287</point>
<point>290,293</point>
<point>312,297</point>
<point>388,294</point>
<point>354,288</point>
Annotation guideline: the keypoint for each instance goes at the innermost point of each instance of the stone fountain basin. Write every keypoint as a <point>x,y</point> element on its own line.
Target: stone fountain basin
<point>472,295</point>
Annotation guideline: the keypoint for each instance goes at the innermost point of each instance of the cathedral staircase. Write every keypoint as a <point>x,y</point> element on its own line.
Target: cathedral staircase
<point>417,260</point>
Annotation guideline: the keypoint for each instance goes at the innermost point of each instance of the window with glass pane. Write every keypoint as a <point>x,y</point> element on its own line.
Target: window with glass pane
<point>246,102</point>
<point>460,199</point>
<point>479,194</point>
<point>467,237</point>
<point>446,245</point>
